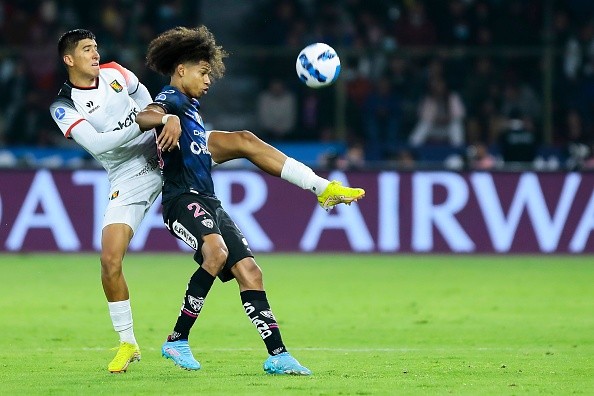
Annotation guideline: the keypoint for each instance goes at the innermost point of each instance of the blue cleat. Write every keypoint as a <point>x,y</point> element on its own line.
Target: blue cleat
<point>180,353</point>
<point>284,363</point>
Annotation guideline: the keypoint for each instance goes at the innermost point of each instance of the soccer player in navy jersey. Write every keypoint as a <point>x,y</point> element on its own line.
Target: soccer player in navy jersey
<point>191,210</point>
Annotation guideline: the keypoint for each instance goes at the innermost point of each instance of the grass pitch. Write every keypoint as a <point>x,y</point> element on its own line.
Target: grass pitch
<point>364,324</point>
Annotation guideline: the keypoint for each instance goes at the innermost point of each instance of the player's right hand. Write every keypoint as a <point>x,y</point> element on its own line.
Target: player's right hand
<point>168,139</point>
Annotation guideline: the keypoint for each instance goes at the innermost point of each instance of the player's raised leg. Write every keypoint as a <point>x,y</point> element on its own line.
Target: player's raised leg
<point>114,242</point>
<point>225,146</point>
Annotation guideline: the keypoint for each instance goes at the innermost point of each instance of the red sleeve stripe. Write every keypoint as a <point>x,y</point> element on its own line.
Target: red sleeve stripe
<point>72,126</point>
<point>118,67</point>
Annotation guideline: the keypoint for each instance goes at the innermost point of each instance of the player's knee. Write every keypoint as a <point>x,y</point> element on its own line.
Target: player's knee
<point>254,274</point>
<point>111,263</point>
<point>248,275</point>
<point>215,258</point>
<point>248,139</point>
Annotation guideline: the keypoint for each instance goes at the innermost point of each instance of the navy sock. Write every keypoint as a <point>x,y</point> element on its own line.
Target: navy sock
<point>258,310</point>
<point>198,287</point>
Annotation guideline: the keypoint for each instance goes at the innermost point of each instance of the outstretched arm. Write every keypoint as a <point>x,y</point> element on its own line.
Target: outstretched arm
<point>98,143</point>
<point>154,116</point>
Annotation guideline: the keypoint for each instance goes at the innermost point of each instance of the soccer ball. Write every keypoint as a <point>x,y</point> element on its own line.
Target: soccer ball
<point>318,65</point>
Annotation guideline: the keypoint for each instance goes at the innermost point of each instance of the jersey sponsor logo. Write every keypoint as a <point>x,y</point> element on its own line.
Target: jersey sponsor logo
<point>182,233</point>
<point>163,94</point>
<point>114,195</point>
<point>262,327</point>
<point>59,113</point>
<point>207,223</point>
<point>89,104</point>
<point>199,148</point>
<point>116,86</point>
<point>128,121</point>
<point>151,165</point>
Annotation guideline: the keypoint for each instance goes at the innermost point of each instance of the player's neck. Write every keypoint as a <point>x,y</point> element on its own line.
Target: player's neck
<point>82,81</point>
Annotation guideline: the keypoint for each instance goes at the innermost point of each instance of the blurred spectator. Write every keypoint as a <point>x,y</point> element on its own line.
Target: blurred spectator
<point>315,114</point>
<point>404,159</point>
<point>479,157</point>
<point>382,121</point>
<point>358,88</point>
<point>277,111</point>
<point>455,26</point>
<point>521,23</point>
<point>521,97</point>
<point>579,53</point>
<point>415,28</point>
<point>478,83</point>
<point>441,115</point>
<point>517,142</point>
<point>14,83</point>
<point>353,158</point>
<point>28,125</point>
<point>482,94</point>
<point>400,72</point>
<point>578,140</point>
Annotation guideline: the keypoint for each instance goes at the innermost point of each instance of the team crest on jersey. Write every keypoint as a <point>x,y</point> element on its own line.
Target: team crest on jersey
<point>114,195</point>
<point>116,86</point>
<point>207,223</point>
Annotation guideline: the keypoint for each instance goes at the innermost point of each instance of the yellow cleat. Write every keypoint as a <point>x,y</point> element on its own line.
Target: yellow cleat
<point>127,353</point>
<point>336,194</point>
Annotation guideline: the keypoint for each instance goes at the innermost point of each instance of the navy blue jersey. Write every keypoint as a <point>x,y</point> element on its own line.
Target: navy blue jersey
<point>187,169</point>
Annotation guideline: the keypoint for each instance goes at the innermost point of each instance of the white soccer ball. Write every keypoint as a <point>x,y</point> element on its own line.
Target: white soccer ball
<point>318,65</point>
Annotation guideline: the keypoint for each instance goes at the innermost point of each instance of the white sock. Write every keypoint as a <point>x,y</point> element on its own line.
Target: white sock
<point>301,175</point>
<point>121,317</point>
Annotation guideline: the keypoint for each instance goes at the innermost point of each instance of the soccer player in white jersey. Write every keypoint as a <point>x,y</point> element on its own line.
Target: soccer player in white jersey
<point>97,108</point>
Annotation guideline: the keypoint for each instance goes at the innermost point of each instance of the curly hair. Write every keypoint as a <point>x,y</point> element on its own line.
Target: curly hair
<point>180,45</point>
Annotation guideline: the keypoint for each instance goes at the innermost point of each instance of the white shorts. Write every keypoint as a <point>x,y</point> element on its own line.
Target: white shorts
<point>130,201</point>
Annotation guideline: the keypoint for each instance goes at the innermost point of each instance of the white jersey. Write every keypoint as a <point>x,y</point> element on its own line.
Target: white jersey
<point>102,120</point>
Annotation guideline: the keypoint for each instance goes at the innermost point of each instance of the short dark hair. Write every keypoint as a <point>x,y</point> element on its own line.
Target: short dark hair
<point>180,45</point>
<point>68,41</point>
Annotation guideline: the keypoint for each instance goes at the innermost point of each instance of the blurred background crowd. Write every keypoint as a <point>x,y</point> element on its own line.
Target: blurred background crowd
<point>460,84</point>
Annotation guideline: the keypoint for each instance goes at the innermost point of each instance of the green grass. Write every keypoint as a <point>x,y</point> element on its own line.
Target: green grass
<point>364,324</point>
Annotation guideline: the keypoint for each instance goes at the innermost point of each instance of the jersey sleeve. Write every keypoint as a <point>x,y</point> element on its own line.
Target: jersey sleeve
<point>74,126</point>
<point>65,116</point>
<point>136,89</point>
<point>96,143</point>
<point>130,78</point>
<point>142,96</point>
<point>168,100</point>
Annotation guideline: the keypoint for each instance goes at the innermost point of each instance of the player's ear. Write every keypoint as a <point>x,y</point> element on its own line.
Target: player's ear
<point>68,60</point>
<point>181,70</point>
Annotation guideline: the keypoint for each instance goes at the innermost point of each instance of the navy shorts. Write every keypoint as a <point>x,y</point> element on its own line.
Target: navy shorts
<point>190,216</point>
